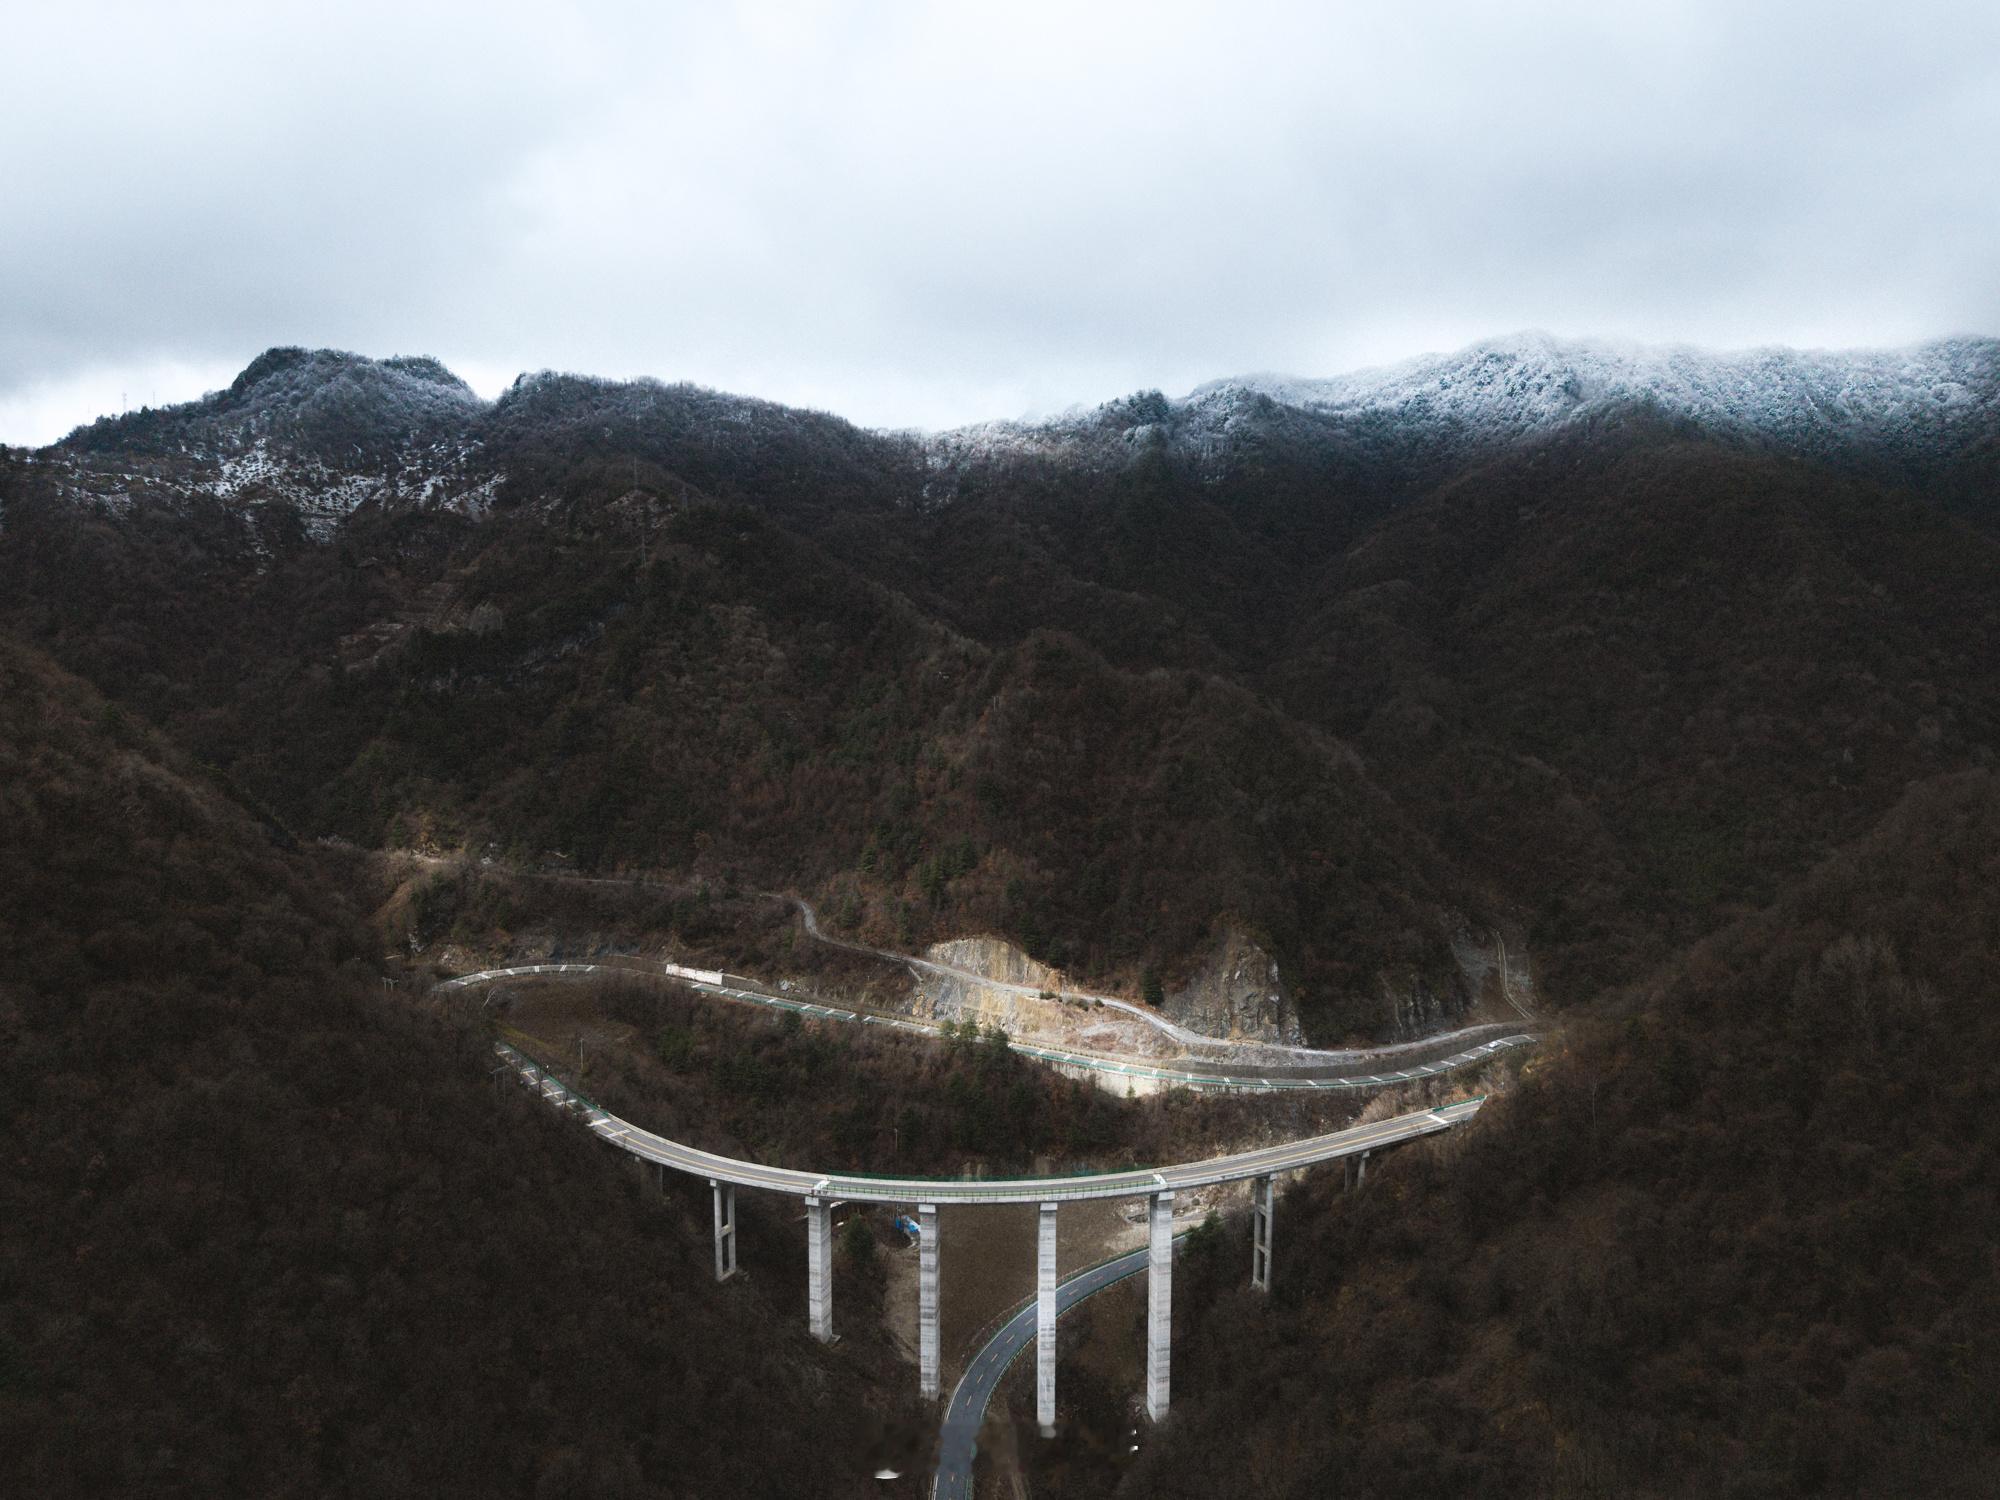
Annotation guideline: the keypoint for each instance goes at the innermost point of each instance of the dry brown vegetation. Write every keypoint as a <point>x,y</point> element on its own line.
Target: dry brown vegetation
<point>271,1230</point>
<point>1735,1239</point>
<point>1708,726</point>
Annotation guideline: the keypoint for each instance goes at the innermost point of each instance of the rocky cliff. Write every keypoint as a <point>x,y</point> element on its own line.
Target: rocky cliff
<point>999,985</point>
<point>948,997</point>
<point>1236,993</point>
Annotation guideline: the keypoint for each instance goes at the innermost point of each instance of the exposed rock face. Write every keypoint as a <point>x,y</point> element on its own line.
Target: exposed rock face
<point>1421,1008</point>
<point>981,994</point>
<point>994,959</point>
<point>949,997</point>
<point>1494,978</point>
<point>1237,994</point>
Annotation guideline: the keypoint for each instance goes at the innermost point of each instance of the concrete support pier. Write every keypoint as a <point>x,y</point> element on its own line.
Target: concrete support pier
<point>819,1268</point>
<point>1159,1305</point>
<point>725,1226</point>
<point>1045,1322</point>
<point>1357,1171</point>
<point>927,1298</point>
<point>1263,1194</point>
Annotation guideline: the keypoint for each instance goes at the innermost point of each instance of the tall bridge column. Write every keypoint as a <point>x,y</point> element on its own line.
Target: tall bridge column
<point>725,1226</point>
<point>1159,1305</point>
<point>819,1268</point>
<point>1045,1322</point>
<point>1357,1170</point>
<point>1263,1195</point>
<point>927,1297</point>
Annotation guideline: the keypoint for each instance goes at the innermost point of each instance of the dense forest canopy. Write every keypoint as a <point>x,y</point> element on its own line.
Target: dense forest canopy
<point>1736,1238</point>
<point>1691,708</point>
<point>271,1229</point>
<point>1590,687</point>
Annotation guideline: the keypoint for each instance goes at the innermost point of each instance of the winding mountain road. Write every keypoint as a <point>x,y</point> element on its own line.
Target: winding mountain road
<point>1196,1041</point>
<point>1188,1073</point>
<point>965,1413</point>
<point>966,1409</point>
<point>929,965</point>
<point>1250,1057</point>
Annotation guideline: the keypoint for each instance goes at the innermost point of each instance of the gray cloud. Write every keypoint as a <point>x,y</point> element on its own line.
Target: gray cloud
<point>929,214</point>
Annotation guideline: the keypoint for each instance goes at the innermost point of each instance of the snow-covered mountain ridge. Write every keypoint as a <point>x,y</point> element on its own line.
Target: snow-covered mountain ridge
<point>1532,380</point>
<point>1911,411</point>
<point>328,432</point>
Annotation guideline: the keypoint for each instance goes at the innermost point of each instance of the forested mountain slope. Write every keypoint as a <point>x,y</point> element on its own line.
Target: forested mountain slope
<point>1683,693</point>
<point>697,687</point>
<point>1342,668</point>
<point>1652,680</point>
<point>1735,1239</point>
<point>271,1230</point>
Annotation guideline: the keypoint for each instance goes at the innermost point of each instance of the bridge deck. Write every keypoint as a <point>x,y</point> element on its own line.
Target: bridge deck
<point>862,1188</point>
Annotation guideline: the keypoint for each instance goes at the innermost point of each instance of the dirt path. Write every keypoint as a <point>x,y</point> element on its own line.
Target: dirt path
<point>1197,1045</point>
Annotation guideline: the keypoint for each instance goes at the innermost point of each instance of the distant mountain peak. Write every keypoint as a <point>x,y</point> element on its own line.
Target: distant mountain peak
<point>293,374</point>
<point>318,403</point>
<point>1901,412</point>
<point>1533,378</point>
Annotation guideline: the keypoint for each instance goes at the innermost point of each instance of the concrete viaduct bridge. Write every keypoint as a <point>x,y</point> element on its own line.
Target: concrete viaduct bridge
<point>820,1191</point>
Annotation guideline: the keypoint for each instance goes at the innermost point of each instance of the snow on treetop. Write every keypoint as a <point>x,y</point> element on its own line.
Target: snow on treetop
<point>1532,380</point>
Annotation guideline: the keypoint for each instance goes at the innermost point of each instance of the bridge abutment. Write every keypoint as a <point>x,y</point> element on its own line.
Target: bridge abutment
<point>928,1342</point>
<point>1159,1305</point>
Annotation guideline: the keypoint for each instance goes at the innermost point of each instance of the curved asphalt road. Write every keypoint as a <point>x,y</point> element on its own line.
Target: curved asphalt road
<point>1194,1075</point>
<point>969,1398</point>
<point>1200,1044</point>
<point>966,1410</point>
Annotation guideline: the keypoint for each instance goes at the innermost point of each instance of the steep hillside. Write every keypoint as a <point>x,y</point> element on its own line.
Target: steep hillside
<point>1625,666</point>
<point>1653,679</point>
<point>1735,1240</point>
<point>270,1230</point>
<point>708,691</point>
<point>1587,676</point>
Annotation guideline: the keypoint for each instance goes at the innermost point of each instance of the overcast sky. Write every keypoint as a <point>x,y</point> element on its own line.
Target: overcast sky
<point>923,215</point>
